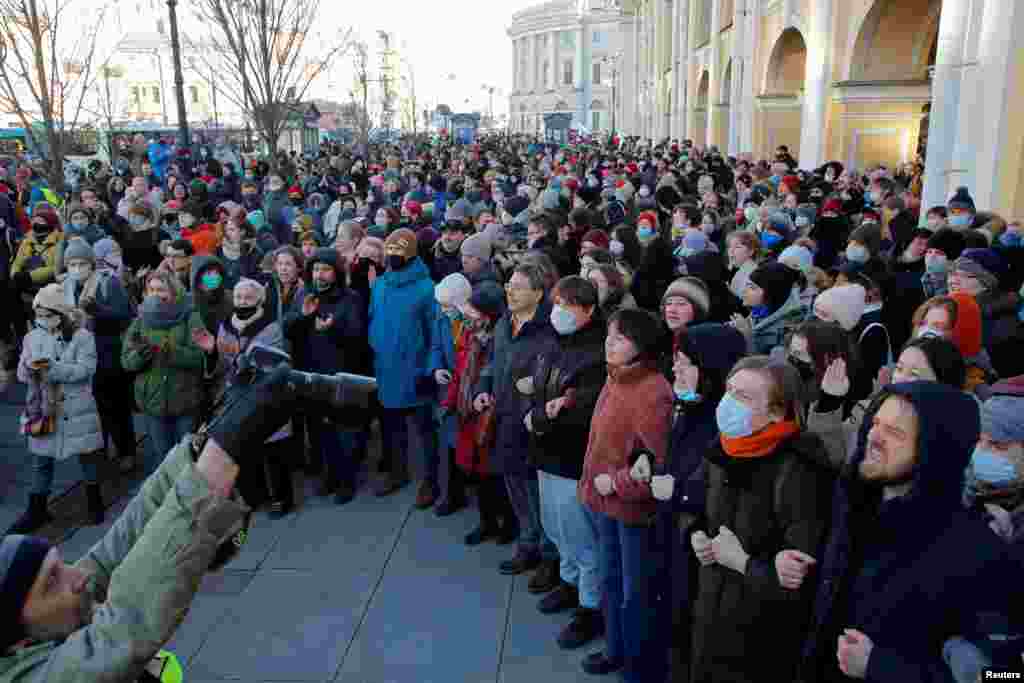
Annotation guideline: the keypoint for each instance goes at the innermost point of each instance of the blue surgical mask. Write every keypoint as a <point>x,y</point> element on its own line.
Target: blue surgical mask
<point>734,419</point>
<point>936,264</point>
<point>991,468</point>
<point>869,198</point>
<point>1010,239</point>
<point>563,320</point>
<point>760,312</point>
<point>857,254</point>
<point>211,280</point>
<point>688,396</point>
<point>770,239</point>
<point>961,220</point>
<point>645,233</point>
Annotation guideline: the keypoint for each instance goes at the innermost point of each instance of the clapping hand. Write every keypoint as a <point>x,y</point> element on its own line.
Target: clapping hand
<point>741,324</point>
<point>702,548</point>
<point>310,305</point>
<point>641,469</point>
<point>687,374</point>
<point>555,406</point>
<point>663,486</point>
<point>442,376</point>
<point>836,381</point>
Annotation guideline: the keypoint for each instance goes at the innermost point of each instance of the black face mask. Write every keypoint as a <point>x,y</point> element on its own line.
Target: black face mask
<point>41,229</point>
<point>246,312</point>
<point>396,262</point>
<point>805,369</point>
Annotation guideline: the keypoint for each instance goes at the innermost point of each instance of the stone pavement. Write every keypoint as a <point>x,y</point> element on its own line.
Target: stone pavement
<point>372,592</point>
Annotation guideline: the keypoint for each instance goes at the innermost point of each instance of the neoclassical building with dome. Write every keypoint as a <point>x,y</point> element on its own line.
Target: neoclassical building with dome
<point>562,63</point>
<point>859,81</point>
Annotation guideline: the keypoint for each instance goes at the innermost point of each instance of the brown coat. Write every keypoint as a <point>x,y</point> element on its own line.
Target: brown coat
<point>746,627</point>
<point>633,411</point>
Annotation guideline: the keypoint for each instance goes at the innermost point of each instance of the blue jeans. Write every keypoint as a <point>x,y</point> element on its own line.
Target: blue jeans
<point>405,431</point>
<point>630,565</point>
<point>337,448</point>
<point>524,493</point>
<point>568,524</point>
<point>965,659</point>
<point>164,434</point>
<point>44,467</point>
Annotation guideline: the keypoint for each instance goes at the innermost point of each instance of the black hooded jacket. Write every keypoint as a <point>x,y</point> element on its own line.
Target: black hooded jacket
<point>912,571</point>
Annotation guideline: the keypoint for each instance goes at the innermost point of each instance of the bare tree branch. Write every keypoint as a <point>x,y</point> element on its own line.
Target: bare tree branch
<point>260,50</point>
<point>47,60</point>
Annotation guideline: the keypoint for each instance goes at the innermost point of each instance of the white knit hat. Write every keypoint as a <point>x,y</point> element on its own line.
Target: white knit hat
<point>51,297</point>
<point>454,290</point>
<point>845,303</point>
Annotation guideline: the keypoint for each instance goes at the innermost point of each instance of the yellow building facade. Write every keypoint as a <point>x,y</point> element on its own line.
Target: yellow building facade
<point>859,81</point>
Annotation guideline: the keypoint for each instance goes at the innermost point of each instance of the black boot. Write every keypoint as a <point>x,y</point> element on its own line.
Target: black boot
<point>95,500</point>
<point>36,515</point>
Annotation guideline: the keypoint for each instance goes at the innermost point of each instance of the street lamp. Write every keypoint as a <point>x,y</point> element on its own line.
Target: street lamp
<point>612,61</point>
<point>179,78</point>
<point>491,90</point>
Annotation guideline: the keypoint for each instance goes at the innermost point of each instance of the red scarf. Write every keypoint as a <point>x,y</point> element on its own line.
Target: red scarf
<point>760,444</point>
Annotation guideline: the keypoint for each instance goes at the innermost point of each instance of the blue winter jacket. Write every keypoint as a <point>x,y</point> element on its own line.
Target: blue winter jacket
<point>402,316</point>
<point>442,357</point>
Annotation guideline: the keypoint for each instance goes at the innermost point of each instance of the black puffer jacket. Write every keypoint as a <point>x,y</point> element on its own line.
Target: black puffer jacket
<point>577,363</point>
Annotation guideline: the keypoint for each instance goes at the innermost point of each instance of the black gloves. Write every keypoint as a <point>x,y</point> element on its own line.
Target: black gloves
<point>22,281</point>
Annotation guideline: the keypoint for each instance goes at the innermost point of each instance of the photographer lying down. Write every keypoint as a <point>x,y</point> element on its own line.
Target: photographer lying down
<point>106,617</point>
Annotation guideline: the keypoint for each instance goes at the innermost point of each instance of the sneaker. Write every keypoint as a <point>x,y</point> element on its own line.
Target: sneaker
<point>562,598</point>
<point>545,579</point>
<point>480,534</point>
<point>279,509</point>
<point>587,623</point>
<point>520,563</point>
<point>345,494</point>
<point>425,496</point>
<point>596,664</point>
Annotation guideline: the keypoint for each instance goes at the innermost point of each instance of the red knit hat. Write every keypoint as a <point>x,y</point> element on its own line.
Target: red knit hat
<point>649,216</point>
<point>792,182</point>
<point>832,206</point>
<point>414,208</point>
<point>967,330</point>
<point>598,238</point>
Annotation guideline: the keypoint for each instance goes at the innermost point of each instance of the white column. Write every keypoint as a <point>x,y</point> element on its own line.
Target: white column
<point>625,85</point>
<point>638,128</point>
<point>553,58</point>
<point>999,70</point>
<point>749,87</point>
<point>515,65</point>
<point>715,74</point>
<point>945,100</point>
<point>538,64</point>
<point>816,85</point>
<point>972,91</point>
<point>673,123</point>
<point>683,28</point>
<point>736,101</point>
<point>658,117</point>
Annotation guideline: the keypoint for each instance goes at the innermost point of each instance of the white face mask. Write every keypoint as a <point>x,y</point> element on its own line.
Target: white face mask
<point>930,332</point>
<point>79,272</point>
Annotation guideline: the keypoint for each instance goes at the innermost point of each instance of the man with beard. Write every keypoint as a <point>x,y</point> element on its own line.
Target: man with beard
<point>906,567</point>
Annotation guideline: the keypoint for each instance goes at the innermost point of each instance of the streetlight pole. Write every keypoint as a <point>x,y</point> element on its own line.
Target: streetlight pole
<point>179,78</point>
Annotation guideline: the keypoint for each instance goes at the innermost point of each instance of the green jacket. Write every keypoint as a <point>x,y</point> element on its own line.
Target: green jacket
<point>147,568</point>
<point>170,383</point>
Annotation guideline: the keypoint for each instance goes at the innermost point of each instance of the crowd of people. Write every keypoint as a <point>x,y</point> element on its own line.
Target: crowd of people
<point>748,421</point>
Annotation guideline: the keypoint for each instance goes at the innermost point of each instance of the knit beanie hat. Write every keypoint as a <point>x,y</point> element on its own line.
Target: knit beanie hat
<point>51,297</point>
<point>950,242</point>
<point>846,303</point>
<point>967,330</point>
<point>833,205</point>
<point>453,290</point>
<point>488,298</point>
<point>599,238</point>
<point>415,209</point>
<point>870,236</point>
<point>961,200</point>
<point>797,257</point>
<point>477,245</point>
<point>77,248</point>
<point>103,249</point>
<point>777,281</point>
<point>426,237</point>
<point>295,192</point>
<point>693,290</point>
<point>1002,418</point>
<point>649,216</point>
<point>404,241</point>
<point>21,558</point>
<point>516,205</point>
<point>984,264</point>
<point>49,215</point>
<point>327,256</point>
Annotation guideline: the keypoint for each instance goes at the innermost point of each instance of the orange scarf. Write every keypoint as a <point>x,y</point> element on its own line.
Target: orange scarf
<point>760,444</point>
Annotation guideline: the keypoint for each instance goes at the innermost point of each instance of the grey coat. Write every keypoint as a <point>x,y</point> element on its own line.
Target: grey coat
<point>72,366</point>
